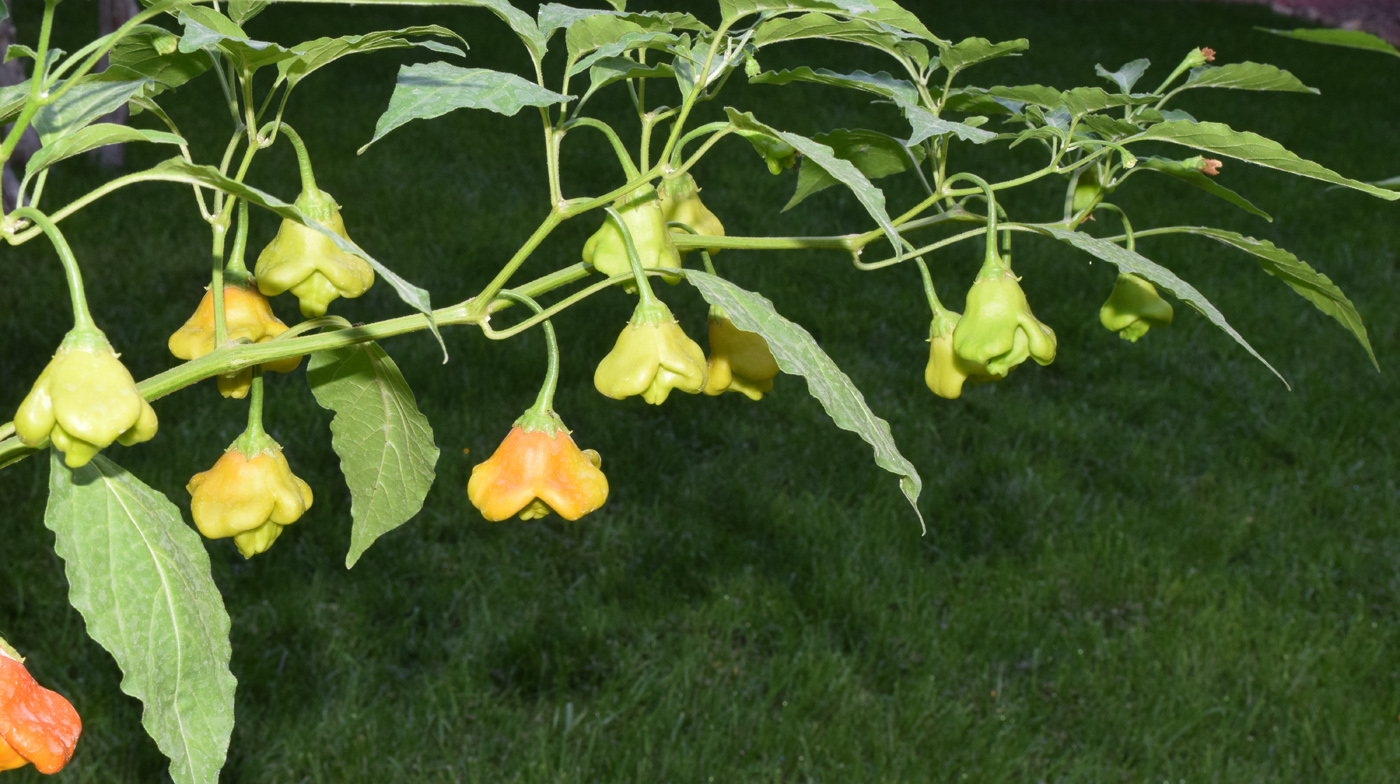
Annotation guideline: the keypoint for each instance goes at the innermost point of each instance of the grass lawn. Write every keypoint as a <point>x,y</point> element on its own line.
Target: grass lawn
<point>1146,562</point>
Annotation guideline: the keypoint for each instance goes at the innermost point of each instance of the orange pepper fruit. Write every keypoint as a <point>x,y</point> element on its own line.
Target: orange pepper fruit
<point>533,473</point>
<point>36,725</point>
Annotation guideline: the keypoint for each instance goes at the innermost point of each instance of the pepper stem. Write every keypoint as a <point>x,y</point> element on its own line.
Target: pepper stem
<point>308,179</point>
<point>236,270</point>
<point>254,439</point>
<point>82,317</point>
<point>544,403</point>
<point>644,292</point>
<point>216,286</point>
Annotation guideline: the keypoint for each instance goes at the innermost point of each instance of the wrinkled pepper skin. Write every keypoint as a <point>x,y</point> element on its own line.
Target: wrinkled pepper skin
<point>249,499</point>
<point>37,725</point>
<point>739,361</point>
<point>83,401</point>
<point>533,473</point>
<point>998,329</point>
<point>652,356</point>
<point>680,202</point>
<point>946,371</point>
<point>641,212</point>
<point>1134,307</point>
<point>247,316</point>
<point>308,263</point>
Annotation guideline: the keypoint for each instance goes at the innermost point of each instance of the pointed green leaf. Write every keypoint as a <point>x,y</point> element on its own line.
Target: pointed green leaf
<point>87,101</point>
<point>898,90</point>
<point>926,125</point>
<point>1298,274</point>
<point>870,197</point>
<point>797,353</point>
<point>875,154</point>
<point>13,98</point>
<point>208,29</point>
<point>817,25</point>
<point>241,11</point>
<point>141,580</point>
<point>1246,76</point>
<point>1107,127</point>
<point>1193,176</point>
<point>434,89</point>
<point>635,40</point>
<point>1130,261</point>
<point>90,138</point>
<point>553,16</point>
<point>1127,76</point>
<point>1352,39</point>
<point>152,52</point>
<point>614,69</point>
<point>385,445</point>
<point>324,51</point>
<point>1221,139</point>
<point>971,51</point>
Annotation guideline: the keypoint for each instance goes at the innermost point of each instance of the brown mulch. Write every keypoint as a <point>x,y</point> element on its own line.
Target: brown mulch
<point>1379,17</point>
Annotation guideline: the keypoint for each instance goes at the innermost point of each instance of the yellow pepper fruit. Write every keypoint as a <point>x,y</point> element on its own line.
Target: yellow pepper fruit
<point>739,361</point>
<point>536,470</point>
<point>680,203</point>
<point>308,262</point>
<point>946,371</point>
<point>247,316</point>
<point>641,212</point>
<point>652,356</point>
<point>83,401</point>
<point>1134,307</point>
<point>998,329</point>
<point>248,498</point>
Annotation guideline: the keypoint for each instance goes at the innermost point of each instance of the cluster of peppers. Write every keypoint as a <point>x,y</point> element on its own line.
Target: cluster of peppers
<point>37,726</point>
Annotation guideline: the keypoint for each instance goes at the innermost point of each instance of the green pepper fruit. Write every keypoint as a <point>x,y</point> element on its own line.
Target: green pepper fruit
<point>308,262</point>
<point>739,361</point>
<point>998,328</point>
<point>1088,193</point>
<point>641,211</point>
<point>777,153</point>
<point>83,401</point>
<point>652,356</point>
<point>680,202</point>
<point>1134,307</point>
<point>947,372</point>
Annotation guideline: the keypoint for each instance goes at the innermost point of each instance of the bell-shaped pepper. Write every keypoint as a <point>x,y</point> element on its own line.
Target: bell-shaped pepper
<point>1134,307</point>
<point>998,329</point>
<point>250,494</point>
<point>641,212</point>
<point>777,153</point>
<point>308,262</point>
<point>652,356</point>
<point>680,202</point>
<point>83,401</point>
<point>537,470</point>
<point>947,372</point>
<point>739,361</point>
<point>247,316</point>
<point>37,725</point>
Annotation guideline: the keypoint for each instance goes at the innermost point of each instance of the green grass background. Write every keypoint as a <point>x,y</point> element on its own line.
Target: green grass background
<point>1145,562</point>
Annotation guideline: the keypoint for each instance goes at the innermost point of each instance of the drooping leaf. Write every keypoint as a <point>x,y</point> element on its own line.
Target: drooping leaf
<point>1299,275</point>
<point>434,89</point>
<point>385,445</point>
<point>208,29</point>
<point>1352,39</point>
<point>885,12</point>
<point>797,353</point>
<point>870,197</point>
<point>971,51</point>
<point>1221,139</point>
<point>817,25</point>
<point>898,90</point>
<point>140,578</point>
<point>638,40</point>
<point>1130,261</point>
<point>1246,76</point>
<point>554,16</point>
<point>603,29</point>
<point>1193,176</point>
<point>1107,127</point>
<point>926,125</point>
<point>1127,76</point>
<point>875,154</point>
<point>324,51</point>
<point>241,11</point>
<point>614,69</point>
<point>90,138</point>
<point>84,103</point>
<point>153,52</point>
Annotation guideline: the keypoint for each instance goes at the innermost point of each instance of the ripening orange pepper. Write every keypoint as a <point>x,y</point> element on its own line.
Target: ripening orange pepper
<point>37,725</point>
<point>534,472</point>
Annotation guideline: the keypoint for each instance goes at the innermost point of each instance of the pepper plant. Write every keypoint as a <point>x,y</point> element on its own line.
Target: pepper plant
<point>140,575</point>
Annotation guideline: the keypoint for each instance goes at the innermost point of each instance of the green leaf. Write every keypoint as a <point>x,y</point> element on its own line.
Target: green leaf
<point>141,580</point>
<point>208,29</point>
<point>875,154</point>
<point>1130,261</point>
<point>691,59</point>
<point>614,69</point>
<point>85,102</point>
<point>434,89</point>
<point>324,51</point>
<point>553,16</point>
<point>520,22</point>
<point>1393,183</point>
<point>1193,176</point>
<point>1110,128</point>
<point>636,40</point>
<point>1083,100</point>
<point>1352,39</point>
<point>241,11</point>
<point>870,197</point>
<point>179,170</point>
<point>971,51</point>
<point>1246,76</point>
<point>607,28</point>
<point>926,125</point>
<point>13,450</point>
<point>816,25</point>
<point>1127,76</point>
<point>1221,139</point>
<point>1299,275</point>
<point>152,52</point>
<point>4,12</point>
<point>385,445</point>
<point>797,353</point>
<point>13,98</point>
<point>90,138</point>
<point>898,90</point>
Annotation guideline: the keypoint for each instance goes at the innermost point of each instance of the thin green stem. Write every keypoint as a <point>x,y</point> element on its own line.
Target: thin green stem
<point>308,179</point>
<point>34,102</point>
<point>216,286</point>
<point>619,148</point>
<point>644,292</point>
<point>679,152</point>
<point>920,251</point>
<point>236,263</point>
<point>1127,227</point>
<point>255,406</point>
<point>544,403</point>
<point>82,317</point>
<point>480,304</point>
<point>704,148</point>
<point>933,303</point>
